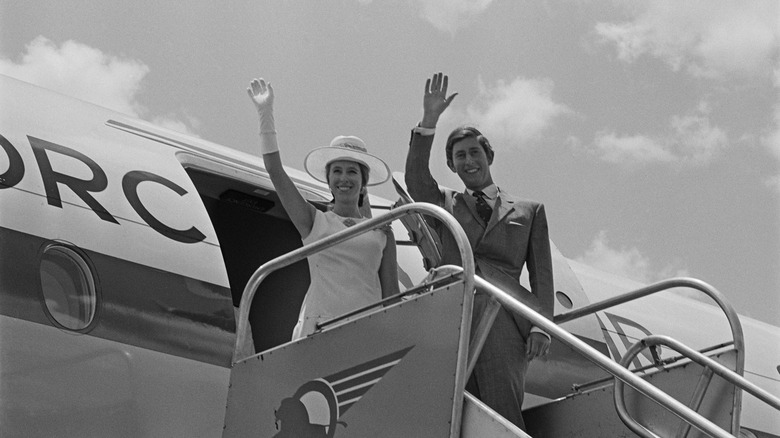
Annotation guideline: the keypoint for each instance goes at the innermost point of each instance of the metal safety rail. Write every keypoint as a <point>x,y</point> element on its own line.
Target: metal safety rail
<point>409,209</point>
<point>620,372</point>
<point>731,316</point>
<point>711,367</point>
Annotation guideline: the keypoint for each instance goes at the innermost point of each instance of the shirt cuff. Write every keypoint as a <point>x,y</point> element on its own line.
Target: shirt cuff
<point>423,131</point>
<point>536,329</point>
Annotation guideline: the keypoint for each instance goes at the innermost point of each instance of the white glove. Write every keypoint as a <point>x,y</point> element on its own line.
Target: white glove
<point>262,95</point>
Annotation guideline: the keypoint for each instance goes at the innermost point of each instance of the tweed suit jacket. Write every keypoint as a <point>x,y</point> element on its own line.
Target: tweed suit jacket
<point>516,235</point>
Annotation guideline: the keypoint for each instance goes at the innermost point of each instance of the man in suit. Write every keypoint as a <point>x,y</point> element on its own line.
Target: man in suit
<point>505,233</point>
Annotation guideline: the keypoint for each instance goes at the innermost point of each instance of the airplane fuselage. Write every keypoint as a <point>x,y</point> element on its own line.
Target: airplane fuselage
<point>124,249</point>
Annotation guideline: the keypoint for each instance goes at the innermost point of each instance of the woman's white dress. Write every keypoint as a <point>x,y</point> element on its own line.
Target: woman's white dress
<point>344,277</point>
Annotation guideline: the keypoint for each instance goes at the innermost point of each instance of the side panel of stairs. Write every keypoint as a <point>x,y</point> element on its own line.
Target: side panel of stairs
<point>593,414</point>
<point>391,373</point>
<point>479,421</point>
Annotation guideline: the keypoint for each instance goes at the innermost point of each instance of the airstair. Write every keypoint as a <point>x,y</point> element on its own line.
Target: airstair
<point>398,368</point>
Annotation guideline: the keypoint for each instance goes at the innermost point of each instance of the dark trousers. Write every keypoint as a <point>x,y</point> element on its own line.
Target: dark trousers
<point>499,374</point>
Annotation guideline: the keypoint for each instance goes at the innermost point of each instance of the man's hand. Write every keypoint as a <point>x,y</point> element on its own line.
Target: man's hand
<point>537,345</point>
<point>435,100</point>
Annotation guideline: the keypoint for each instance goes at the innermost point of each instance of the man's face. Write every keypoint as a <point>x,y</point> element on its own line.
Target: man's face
<point>471,164</point>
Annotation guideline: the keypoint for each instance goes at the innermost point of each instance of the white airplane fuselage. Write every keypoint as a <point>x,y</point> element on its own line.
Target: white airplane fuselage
<point>123,251</point>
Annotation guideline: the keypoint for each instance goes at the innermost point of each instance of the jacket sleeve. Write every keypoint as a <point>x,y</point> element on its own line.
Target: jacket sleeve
<point>539,263</point>
<point>419,181</point>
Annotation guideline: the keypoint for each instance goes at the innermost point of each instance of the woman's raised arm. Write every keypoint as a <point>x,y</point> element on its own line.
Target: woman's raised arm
<point>300,211</point>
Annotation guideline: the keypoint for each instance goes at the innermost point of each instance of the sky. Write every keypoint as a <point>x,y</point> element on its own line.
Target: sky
<point>650,129</point>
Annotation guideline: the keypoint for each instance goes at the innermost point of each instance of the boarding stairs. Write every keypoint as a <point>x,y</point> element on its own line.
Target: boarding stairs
<point>693,394</point>
<point>399,368</point>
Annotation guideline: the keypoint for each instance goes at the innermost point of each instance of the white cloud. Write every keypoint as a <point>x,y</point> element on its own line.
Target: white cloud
<point>630,149</point>
<point>449,15</point>
<point>772,139</point>
<point>87,73</point>
<point>691,141</point>
<point>81,71</point>
<point>514,113</point>
<point>695,139</point>
<point>175,124</point>
<point>773,183</point>
<point>627,262</point>
<point>706,38</point>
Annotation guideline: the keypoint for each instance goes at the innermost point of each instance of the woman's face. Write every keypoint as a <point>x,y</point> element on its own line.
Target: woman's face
<point>345,180</point>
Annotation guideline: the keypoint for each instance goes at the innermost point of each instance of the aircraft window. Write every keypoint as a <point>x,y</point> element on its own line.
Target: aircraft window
<point>564,300</point>
<point>69,288</point>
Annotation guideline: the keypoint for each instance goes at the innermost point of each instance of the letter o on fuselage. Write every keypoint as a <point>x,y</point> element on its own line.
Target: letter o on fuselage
<point>15,172</point>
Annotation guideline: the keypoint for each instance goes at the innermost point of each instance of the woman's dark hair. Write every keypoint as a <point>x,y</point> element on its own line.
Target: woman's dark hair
<point>363,178</point>
<point>465,131</point>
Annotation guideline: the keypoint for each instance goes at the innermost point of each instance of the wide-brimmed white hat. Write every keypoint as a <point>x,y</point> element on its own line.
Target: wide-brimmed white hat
<point>350,148</point>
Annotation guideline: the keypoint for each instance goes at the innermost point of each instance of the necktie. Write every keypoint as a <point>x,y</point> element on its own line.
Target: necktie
<point>483,209</point>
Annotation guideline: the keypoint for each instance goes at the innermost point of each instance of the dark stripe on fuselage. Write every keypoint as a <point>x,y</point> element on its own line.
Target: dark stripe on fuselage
<point>138,305</point>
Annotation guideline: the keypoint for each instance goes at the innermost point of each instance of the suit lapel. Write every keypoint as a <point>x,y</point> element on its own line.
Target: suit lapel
<point>504,205</point>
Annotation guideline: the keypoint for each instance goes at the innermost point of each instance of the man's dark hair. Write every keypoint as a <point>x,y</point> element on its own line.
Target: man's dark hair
<point>465,131</point>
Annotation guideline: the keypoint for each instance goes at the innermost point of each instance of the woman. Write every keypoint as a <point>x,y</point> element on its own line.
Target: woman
<point>354,273</point>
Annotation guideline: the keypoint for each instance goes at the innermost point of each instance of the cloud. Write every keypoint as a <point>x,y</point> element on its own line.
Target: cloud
<point>87,73</point>
<point>81,71</point>
<point>773,183</point>
<point>691,141</point>
<point>705,38</point>
<point>514,113</point>
<point>449,15</point>
<point>772,139</point>
<point>630,149</point>
<point>627,262</point>
<point>173,123</point>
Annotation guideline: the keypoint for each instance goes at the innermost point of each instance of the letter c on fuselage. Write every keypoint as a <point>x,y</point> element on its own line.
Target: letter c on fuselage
<point>130,186</point>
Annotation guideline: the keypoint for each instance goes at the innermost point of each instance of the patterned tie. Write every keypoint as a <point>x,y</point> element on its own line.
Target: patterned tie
<point>483,209</point>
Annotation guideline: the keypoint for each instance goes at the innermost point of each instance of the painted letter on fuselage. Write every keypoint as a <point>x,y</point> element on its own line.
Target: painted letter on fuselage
<point>15,172</point>
<point>80,187</point>
<point>130,186</point>
<point>98,183</point>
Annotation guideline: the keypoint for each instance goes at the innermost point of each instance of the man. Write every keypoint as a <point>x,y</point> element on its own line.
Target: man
<point>505,233</point>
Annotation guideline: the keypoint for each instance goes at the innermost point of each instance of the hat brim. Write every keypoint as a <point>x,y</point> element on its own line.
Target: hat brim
<point>317,159</point>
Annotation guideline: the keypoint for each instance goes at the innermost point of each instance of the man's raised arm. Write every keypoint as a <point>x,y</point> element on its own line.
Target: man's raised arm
<point>419,181</point>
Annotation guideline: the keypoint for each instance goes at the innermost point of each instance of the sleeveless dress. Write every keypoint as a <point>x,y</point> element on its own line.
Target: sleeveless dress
<point>344,277</point>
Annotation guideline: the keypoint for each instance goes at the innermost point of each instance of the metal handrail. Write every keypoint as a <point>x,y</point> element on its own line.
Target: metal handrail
<point>445,274</point>
<point>301,253</point>
<point>603,361</point>
<point>731,315</point>
<point>578,387</point>
<point>466,257</point>
<point>708,364</point>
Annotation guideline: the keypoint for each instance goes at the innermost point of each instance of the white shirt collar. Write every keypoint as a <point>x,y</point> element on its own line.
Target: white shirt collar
<point>491,192</point>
